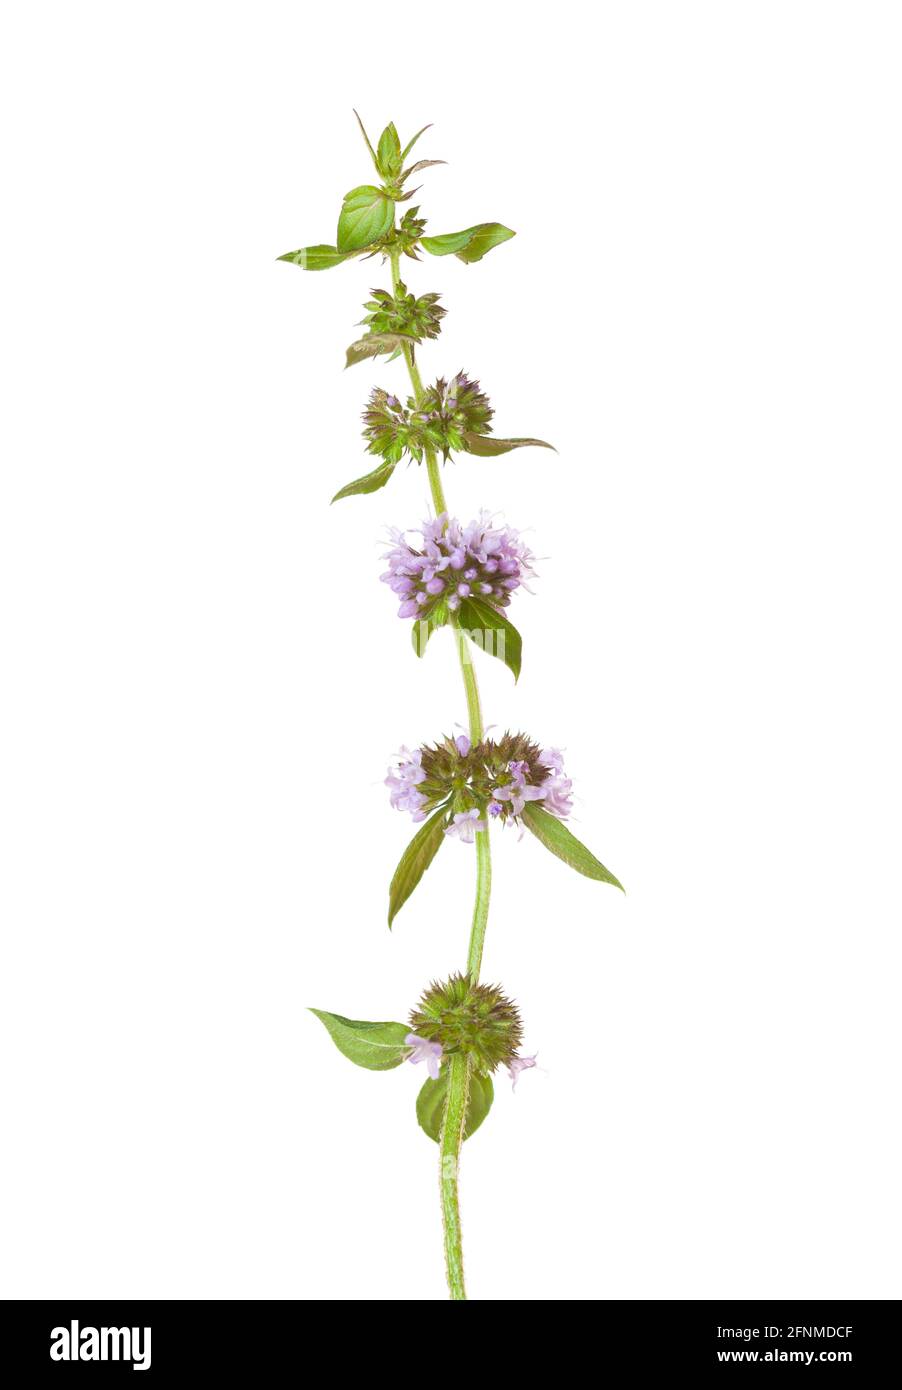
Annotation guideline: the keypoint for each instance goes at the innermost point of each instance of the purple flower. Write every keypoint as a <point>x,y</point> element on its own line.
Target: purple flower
<point>518,791</point>
<point>516,1065</point>
<point>556,786</point>
<point>452,562</point>
<point>464,826</point>
<point>402,781</point>
<point>424,1051</point>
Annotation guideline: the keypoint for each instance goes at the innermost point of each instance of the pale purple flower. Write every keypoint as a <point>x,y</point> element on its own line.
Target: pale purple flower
<point>465,824</point>
<point>424,1051</point>
<point>402,781</point>
<point>518,791</point>
<point>454,562</point>
<point>518,1064</point>
<point>557,786</point>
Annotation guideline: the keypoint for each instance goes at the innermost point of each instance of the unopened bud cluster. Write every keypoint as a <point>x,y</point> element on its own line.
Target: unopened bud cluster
<point>404,313</point>
<point>450,410</point>
<point>474,1019</point>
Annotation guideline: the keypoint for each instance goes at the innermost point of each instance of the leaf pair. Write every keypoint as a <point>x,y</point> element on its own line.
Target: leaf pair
<point>548,829</point>
<point>367,214</point>
<point>482,445</point>
<point>381,1047</point>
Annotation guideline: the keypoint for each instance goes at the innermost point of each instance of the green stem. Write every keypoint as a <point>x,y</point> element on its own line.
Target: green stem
<point>451,1136</point>
<point>450,1140</point>
<point>483,849</point>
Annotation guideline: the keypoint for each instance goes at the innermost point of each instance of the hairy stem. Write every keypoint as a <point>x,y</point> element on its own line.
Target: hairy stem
<point>450,1140</point>
<point>451,1136</point>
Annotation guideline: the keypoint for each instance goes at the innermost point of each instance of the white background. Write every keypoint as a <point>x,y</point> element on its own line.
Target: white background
<point>204,679</point>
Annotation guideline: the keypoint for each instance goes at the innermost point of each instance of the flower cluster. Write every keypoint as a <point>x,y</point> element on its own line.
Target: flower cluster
<point>475,1019</point>
<point>453,562</point>
<point>455,408</point>
<point>405,237</point>
<point>404,313</point>
<point>449,412</point>
<point>390,430</point>
<point>495,778</point>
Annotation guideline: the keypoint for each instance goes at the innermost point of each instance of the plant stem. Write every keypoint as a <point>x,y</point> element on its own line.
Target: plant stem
<point>450,1140</point>
<point>451,1136</point>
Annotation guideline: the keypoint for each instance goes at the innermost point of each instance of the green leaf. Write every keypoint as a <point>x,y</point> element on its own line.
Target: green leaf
<point>415,860</point>
<point>423,628</point>
<point>377,1046</point>
<point>486,446</point>
<point>470,245</point>
<point>492,632</point>
<point>420,165</point>
<point>367,139</point>
<point>316,257</point>
<point>374,343</point>
<point>370,482</point>
<point>431,1103</point>
<point>389,154</point>
<point>366,215</point>
<point>555,836</point>
<point>410,144</point>
<point>488,234</point>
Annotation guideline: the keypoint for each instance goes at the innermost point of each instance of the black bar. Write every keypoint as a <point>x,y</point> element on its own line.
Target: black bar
<point>282,1339</point>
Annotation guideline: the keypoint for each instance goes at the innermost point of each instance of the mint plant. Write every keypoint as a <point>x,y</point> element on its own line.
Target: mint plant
<point>463,576</point>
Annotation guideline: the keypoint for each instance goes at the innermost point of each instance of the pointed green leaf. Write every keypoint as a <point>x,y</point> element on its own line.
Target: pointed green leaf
<point>486,446</point>
<point>366,215</point>
<point>410,144</point>
<point>377,1046</point>
<point>421,164</point>
<point>423,628</point>
<point>488,235</point>
<point>431,1103</point>
<point>389,152</point>
<point>370,482</point>
<point>448,244</point>
<point>555,836</point>
<point>415,860</point>
<point>374,343</point>
<point>492,632</point>
<point>316,257</point>
<point>367,139</point>
<point>470,245</point>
